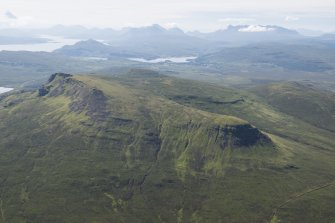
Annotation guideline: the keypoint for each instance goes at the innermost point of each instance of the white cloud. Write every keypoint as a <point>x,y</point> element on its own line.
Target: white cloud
<point>256,28</point>
<point>291,18</point>
<point>189,14</point>
<point>238,21</point>
<point>170,25</point>
<point>10,15</point>
<point>9,20</point>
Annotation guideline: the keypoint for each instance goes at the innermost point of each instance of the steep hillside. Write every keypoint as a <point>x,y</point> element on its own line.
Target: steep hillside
<point>149,148</point>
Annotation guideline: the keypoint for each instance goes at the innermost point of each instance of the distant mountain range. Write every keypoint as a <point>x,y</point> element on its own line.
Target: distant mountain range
<point>246,33</point>
<point>155,41</point>
<point>249,34</point>
<point>149,42</point>
<point>231,33</point>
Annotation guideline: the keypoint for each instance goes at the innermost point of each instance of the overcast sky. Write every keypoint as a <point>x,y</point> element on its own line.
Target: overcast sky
<point>205,15</point>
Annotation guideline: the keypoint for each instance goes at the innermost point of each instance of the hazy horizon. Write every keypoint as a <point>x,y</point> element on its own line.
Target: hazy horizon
<point>188,15</point>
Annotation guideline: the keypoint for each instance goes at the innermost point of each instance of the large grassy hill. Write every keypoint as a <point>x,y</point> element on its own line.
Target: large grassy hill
<point>149,148</point>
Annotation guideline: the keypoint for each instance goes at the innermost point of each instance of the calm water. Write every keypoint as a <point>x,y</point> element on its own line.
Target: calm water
<point>165,59</point>
<point>4,90</point>
<point>55,43</point>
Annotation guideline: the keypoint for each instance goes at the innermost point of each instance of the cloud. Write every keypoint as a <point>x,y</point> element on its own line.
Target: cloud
<point>10,15</point>
<point>256,28</point>
<point>291,18</point>
<point>170,25</point>
<point>9,20</point>
<point>173,16</point>
<point>189,14</point>
<point>235,20</point>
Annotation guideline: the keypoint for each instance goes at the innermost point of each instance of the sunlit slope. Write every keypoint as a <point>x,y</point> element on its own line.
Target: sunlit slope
<point>136,149</point>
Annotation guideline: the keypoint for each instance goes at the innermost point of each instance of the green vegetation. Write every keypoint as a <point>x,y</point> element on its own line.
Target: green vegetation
<point>144,147</point>
<point>302,101</point>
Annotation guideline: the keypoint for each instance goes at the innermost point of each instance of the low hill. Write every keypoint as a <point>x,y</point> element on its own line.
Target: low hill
<point>302,101</point>
<point>292,57</point>
<point>144,147</point>
<point>92,48</point>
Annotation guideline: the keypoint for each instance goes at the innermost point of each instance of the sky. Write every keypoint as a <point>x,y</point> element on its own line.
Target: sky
<point>203,15</point>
